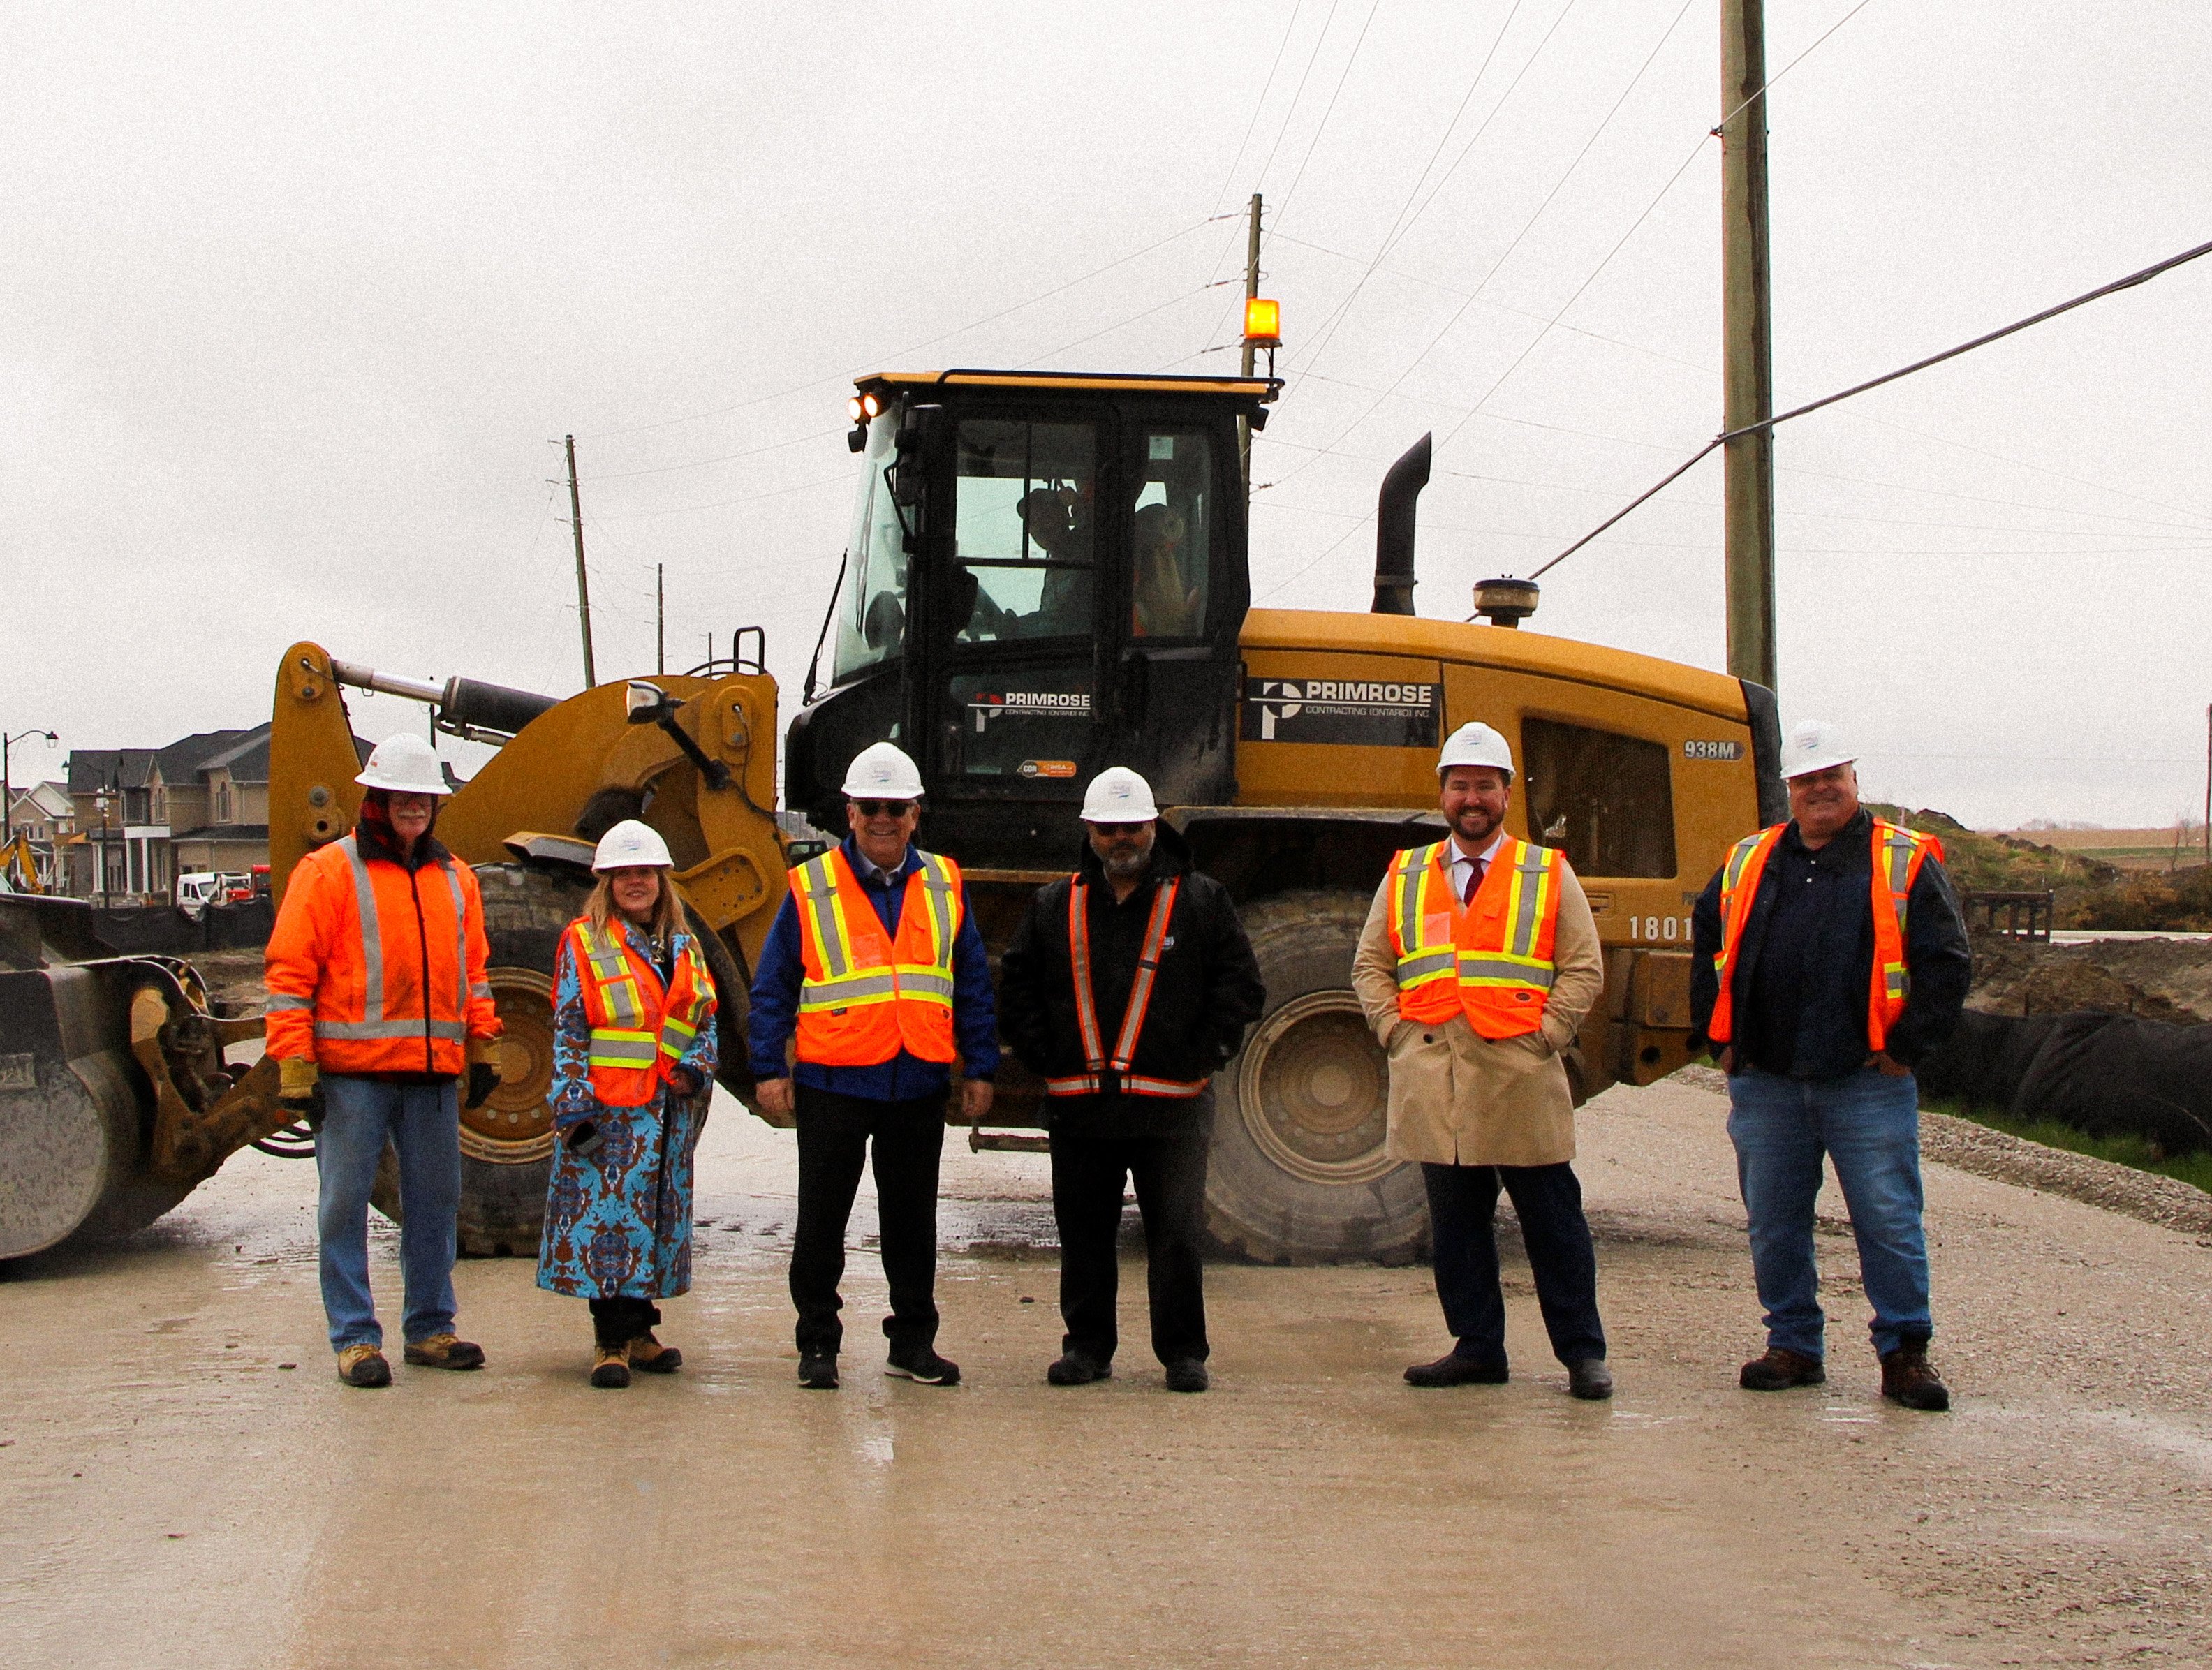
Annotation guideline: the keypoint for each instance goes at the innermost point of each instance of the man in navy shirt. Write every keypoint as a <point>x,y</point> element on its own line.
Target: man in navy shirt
<point>1828,958</point>
<point>875,969</point>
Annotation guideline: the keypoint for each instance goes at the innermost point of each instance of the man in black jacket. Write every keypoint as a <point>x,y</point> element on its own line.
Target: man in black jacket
<point>1128,985</point>
<point>1829,957</point>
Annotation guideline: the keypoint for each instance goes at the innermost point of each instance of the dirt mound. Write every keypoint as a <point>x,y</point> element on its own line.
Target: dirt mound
<point>2153,980</point>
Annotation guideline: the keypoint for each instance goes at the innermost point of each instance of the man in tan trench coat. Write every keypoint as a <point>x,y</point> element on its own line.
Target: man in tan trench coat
<point>1475,969</point>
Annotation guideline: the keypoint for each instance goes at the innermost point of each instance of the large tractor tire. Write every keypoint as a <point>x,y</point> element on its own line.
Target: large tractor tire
<point>507,1145</point>
<point>1299,1175</point>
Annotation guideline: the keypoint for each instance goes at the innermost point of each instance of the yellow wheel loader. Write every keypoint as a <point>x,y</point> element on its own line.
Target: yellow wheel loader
<point>1047,574</point>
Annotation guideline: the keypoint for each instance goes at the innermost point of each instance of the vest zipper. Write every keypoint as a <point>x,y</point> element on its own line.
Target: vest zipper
<point>422,951</point>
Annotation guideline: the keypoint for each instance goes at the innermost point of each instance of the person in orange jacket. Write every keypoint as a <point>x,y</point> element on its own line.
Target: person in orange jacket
<point>379,1005</point>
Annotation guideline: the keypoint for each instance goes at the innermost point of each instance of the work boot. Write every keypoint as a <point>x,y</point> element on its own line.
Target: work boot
<point>1780,1369</point>
<point>443,1351</point>
<point>924,1367</point>
<point>364,1366</point>
<point>1589,1378</point>
<point>817,1370</point>
<point>1074,1369</point>
<point>1456,1370</point>
<point>611,1368</point>
<point>649,1354</point>
<point>1187,1374</point>
<point>1907,1379</point>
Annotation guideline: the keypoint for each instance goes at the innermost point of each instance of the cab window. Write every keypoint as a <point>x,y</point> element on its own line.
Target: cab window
<point>1607,799</point>
<point>872,610</point>
<point>1171,534</point>
<point>1024,523</point>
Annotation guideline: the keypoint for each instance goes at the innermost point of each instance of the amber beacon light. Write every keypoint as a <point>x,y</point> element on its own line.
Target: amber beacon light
<point>1263,322</point>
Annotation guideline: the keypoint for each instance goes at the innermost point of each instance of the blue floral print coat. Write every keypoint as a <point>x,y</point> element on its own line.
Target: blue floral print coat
<point>618,1221</point>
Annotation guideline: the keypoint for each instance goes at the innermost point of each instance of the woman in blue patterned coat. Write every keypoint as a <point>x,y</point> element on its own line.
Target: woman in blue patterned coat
<point>633,1071</point>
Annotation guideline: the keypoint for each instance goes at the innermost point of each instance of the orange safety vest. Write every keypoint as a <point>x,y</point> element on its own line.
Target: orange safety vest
<point>1098,1065</point>
<point>1898,855</point>
<point>863,996</point>
<point>639,1027</point>
<point>1491,960</point>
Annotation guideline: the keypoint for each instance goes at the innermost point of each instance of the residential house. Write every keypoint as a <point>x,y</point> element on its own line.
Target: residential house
<point>146,815</point>
<point>46,813</point>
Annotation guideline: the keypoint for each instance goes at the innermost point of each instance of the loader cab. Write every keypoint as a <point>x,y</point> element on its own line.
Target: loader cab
<point>1046,575</point>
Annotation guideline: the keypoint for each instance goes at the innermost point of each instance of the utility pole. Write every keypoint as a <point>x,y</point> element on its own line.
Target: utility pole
<point>583,589</point>
<point>659,617</point>
<point>1747,366</point>
<point>1251,289</point>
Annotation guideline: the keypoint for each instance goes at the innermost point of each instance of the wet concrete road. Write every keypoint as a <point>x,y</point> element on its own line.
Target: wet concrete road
<point>175,1493</point>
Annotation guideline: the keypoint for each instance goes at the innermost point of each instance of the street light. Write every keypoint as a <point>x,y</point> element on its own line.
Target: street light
<point>100,797</point>
<point>8,783</point>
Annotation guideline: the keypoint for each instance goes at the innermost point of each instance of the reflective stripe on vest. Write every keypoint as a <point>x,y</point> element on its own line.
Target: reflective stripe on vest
<point>1500,981</point>
<point>864,995</point>
<point>376,1021</point>
<point>1104,1074</point>
<point>1897,855</point>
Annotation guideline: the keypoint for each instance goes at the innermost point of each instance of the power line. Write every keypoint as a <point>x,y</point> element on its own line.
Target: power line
<point>912,348</point>
<point>1281,46</point>
<point>1329,110</point>
<point>2142,276</point>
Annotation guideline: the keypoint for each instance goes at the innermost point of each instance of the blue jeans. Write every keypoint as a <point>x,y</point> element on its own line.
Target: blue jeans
<point>1869,1125</point>
<point>424,1123</point>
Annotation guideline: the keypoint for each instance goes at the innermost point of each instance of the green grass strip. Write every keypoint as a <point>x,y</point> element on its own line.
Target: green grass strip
<point>2139,1152</point>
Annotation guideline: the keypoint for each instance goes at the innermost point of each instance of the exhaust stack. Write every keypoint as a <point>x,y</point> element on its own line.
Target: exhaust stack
<point>463,706</point>
<point>1393,530</point>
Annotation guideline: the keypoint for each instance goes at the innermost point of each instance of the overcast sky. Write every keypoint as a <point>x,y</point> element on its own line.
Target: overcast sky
<point>298,300</point>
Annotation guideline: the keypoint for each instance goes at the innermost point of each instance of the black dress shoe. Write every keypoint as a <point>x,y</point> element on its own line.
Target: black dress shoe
<point>1187,1374</point>
<point>1590,1379</point>
<point>817,1371</point>
<point>1456,1370</point>
<point>1074,1369</point>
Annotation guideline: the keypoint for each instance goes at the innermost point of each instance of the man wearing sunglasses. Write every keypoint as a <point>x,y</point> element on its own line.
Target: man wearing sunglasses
<point>1128,985</point>
<point>875,970</point>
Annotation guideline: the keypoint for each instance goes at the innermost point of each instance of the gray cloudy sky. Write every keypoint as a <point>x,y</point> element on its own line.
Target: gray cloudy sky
<point>300,299</point>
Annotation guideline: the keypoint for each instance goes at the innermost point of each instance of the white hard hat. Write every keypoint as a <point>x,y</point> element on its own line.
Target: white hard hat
<point>630,843</point>
<point>1119,795</point>
<point>1814,745</point>
<point>1476,743</point>
<point>404,764</point>
<point>882,771</point>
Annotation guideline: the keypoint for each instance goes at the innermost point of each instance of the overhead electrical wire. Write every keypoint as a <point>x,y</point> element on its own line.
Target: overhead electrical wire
<point>2141,276</point>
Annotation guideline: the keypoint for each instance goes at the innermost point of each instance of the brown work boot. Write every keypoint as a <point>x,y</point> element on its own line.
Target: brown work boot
<point>443,1351</point>
<point>1780,1369</point>
<point>654,1358</point>
<point>364,1366</point>
<point>611,1368</point>
<point>1907,1379</point>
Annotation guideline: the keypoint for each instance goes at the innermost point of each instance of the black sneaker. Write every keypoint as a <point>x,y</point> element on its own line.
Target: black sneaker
<point>1074,1369</point>
<point>817,1370</point>
<point>1187,1374</point>
<point>924,1367</point>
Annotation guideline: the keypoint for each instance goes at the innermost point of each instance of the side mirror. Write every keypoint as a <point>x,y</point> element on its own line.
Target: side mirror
<point>646,702</point>
<point>915,444</point>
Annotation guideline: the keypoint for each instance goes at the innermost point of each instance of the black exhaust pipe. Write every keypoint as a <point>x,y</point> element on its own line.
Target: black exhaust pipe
<point>1393,530</point>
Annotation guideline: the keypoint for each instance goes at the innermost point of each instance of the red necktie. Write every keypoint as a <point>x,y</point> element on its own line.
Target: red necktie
<point>1474,872</point>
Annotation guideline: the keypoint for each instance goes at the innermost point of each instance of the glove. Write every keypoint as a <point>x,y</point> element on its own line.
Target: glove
<point>299,1091</point>
<point>484,1079</point>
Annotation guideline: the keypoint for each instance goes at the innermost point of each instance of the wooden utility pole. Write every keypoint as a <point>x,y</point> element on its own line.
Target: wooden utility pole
<point>583,588</point>
<point>1747,366</point>
<point>659,617</point>
<point>1251,289</point>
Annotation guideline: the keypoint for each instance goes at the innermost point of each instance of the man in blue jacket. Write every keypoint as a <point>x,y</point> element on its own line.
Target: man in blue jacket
<point>1828,957</point>
<point>875,969</point>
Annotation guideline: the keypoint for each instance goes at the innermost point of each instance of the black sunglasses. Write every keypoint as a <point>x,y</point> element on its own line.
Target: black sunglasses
<point>1109,830</point>
<point>883,808</point>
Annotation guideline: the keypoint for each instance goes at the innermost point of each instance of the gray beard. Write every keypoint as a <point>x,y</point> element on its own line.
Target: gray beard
<point>1123,868</point>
